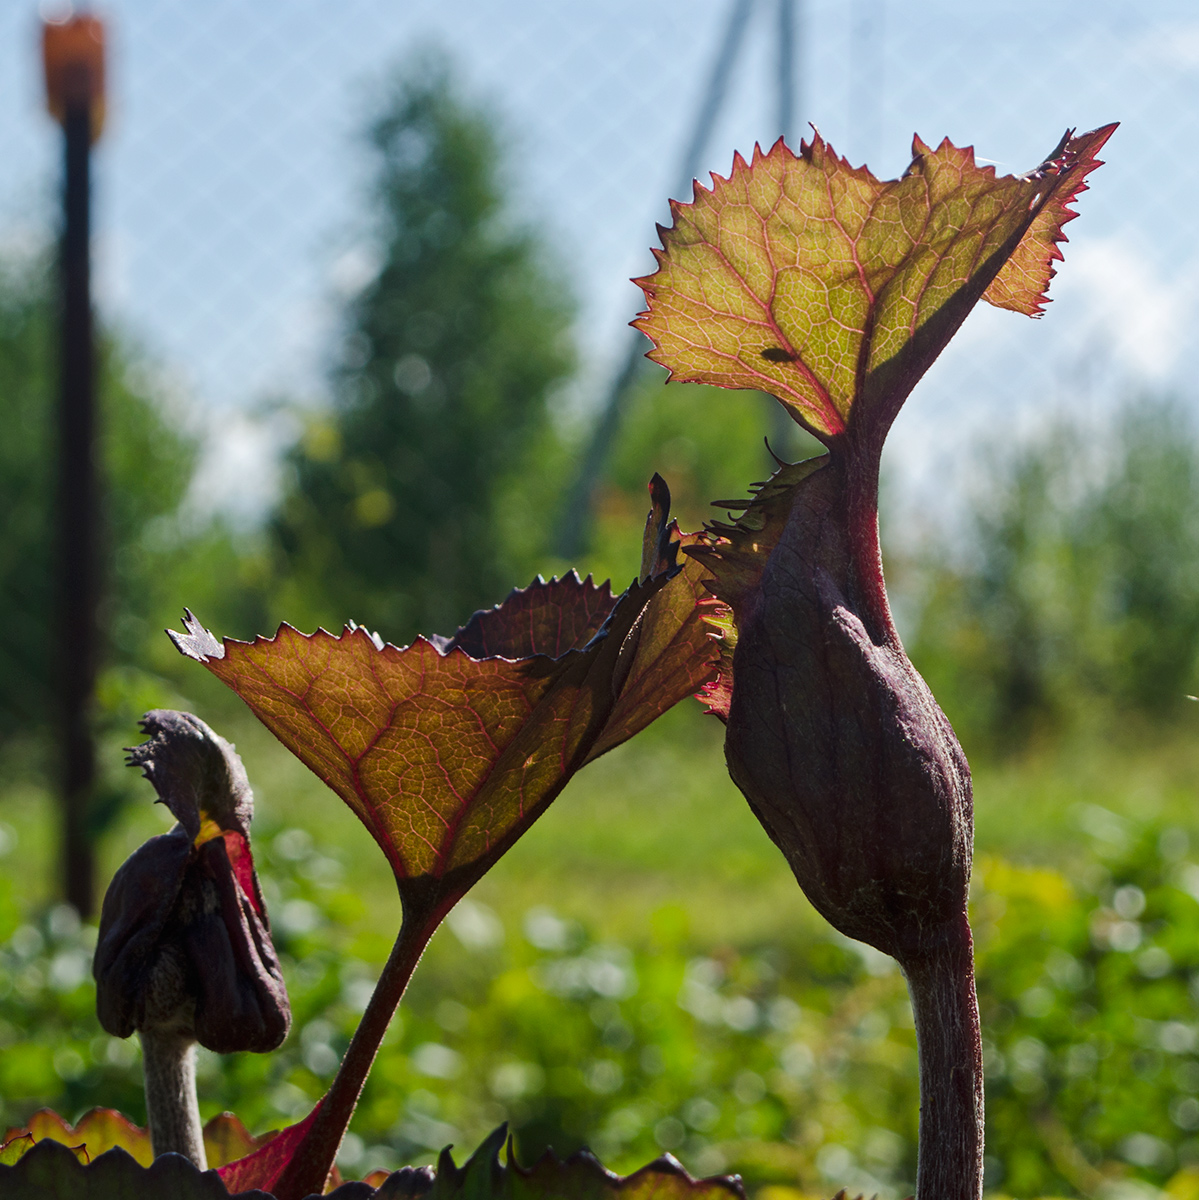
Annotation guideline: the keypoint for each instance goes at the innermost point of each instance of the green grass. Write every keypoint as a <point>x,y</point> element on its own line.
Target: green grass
<point>656,821</point>
<point>652,854</point>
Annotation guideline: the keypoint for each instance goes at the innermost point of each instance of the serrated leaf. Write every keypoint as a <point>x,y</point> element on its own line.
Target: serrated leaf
<point>580,1177</point>
<point>15,1148</point>
<point>448,749</point>
<point>96,1132</point>
<point>736,550</point>
<point>544,618</point>
<point>99,1130</point>
<point>441,755</point>
<point>732,554</point>
<point>673,653</point>
<point>51,1172</point>
<point>833,290</point>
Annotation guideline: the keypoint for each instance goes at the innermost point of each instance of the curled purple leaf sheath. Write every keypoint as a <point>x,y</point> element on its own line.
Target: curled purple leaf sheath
<point>185,943</point>
<point>837,742</point>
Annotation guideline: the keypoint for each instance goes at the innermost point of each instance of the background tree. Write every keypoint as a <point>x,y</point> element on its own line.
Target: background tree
<point>393,514</point>
<point>1081,593</point>
<point>157,555</point>
<point>148,463</point>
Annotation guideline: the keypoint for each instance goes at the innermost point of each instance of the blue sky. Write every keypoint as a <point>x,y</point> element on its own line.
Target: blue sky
<point>229,222</point>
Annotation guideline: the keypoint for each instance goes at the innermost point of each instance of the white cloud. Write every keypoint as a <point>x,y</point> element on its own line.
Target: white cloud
<point>239,471</point>
<point>1117,292</point>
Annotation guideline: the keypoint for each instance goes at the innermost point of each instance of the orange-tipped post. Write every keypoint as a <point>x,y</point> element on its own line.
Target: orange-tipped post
<point>73,56</point>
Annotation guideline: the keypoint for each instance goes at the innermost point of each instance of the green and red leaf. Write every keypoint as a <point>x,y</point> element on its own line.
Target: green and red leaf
<point>671,653</point>
<point>544,618</point>
<point>51,1171</point>
<point>833,290</point>
<point>732,555</point>
<point>96,1132</point>
<point>447,750</point>
<point>226,1140</point>
<point>14,1148</point>
<point>99,1130</point>
<point>267,1159</point>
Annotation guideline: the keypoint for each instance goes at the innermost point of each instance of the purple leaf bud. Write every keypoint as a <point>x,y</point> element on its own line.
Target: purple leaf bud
<point>185,944</point>
<point>833,737</point>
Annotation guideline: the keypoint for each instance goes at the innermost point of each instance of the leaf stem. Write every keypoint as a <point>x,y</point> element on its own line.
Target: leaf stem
<point>941,984</point>
<point>861,490</point>
<point>313,1160</point>
<point>169,1068</point>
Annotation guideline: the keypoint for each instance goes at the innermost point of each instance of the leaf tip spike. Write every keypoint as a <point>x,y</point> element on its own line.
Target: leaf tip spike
<point>658,552</point>
<point>197,642</point>
<point>374,638</point>
<point>1023,283</point>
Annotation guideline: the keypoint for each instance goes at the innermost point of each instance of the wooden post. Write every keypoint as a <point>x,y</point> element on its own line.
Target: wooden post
<point>73,52</point>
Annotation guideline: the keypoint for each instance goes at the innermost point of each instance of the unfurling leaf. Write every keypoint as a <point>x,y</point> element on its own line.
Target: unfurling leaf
<point>736,553</point>
<point>448,749</point>
<point>833,737</point>
<point>184,942</point>
<point>833,290</point>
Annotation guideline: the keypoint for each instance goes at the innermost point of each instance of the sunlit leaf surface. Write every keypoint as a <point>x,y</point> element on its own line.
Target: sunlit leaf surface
<point>100,1129</point>
<point>449,749</point>
<point>96,1132</point>
<point>816,282</point>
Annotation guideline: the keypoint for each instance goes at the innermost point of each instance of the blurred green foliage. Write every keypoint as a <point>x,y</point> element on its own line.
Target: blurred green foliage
<point>430,487</point>
<point>148,462</point>
<point>157,554</point>
<point>793,1065</point>
<point>420,494</point>
<point>1077,592</point>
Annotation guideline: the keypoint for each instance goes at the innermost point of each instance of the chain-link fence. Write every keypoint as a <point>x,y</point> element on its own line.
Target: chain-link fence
<point>234,226</point>
<point>230,221</point>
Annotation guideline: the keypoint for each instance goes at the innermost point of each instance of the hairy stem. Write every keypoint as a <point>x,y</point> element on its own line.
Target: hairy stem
<point>941,984</point>
<point>313,1160</point>
<point>169,1065</point>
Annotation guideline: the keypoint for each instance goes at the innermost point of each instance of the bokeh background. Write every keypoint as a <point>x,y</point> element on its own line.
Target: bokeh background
<point>362,274</point>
